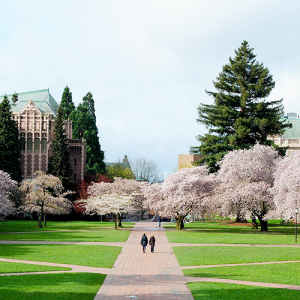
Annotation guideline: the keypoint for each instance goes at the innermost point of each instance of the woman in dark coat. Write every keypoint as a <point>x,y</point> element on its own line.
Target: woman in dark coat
<point>152,242</point>
<point>144,242</point>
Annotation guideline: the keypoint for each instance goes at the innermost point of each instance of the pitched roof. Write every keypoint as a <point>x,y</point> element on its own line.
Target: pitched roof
<point>41,98</point>
<point>294,132</point>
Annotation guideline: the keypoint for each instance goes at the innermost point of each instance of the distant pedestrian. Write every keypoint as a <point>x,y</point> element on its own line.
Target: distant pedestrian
<point>152,242</point>
<point>159,221</point>
<point>144,242</point>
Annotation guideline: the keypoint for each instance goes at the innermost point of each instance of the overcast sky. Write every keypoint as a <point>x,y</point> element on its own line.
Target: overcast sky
<point>147,63</point>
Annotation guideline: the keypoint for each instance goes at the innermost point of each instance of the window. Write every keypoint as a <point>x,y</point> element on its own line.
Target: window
<point>44,145</point>
<point>36,145</point>
<point>74,161</point>
<point>74,177</point>
<point>29,144</point>
<point>22,139</point>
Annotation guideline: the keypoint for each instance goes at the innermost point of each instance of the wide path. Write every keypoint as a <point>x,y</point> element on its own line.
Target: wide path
<point>138,275</point>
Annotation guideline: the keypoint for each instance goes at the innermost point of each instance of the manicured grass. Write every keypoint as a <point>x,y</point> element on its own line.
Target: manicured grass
<point>29,225</point>
<point>100,235</point>
<point>8,267</point>
<point>275,273</point>
<point>83,255</point>
<point>199,237</point>
<point>224,291</point>
<point>65,286</point>
<point>208,255</point>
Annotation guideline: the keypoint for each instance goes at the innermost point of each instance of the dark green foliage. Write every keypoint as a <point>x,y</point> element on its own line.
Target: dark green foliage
<point>59,163</point>
<point>10,146</point>
<point>240,115</point>
<point>67,103</point>
<point>14,98</point>
<point>84,126</point>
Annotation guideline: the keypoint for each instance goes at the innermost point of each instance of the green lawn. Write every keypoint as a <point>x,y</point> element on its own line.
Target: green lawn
<point>100,235</point>
<point>248,237</point>
<point>225,291</point>
<point>275,273</point>
<point>209,255</point>
<point>8,267</point>
<point>28,225</point>
<point>83,255</point>
<point>64,286</point>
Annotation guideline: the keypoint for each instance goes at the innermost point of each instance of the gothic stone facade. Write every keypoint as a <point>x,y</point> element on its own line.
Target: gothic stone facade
<point>35,115</point>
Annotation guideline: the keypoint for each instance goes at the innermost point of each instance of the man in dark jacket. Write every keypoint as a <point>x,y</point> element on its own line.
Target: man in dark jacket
<point>144,242</point>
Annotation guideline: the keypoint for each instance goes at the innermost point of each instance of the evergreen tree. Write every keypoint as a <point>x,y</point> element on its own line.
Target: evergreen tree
<point>67,103</point>
<point>59,163</point>
<point>84,126</point>
<point>10,146</point>
<point>240,115</point>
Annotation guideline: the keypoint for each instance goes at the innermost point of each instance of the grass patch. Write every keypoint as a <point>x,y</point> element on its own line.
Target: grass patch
<point>223,291</point>
<point>275,273</point>
<point>9,267</point>
<point>101,235</point>
<point>207,255</point>
<point>31,225</point>
<point>248,237</point>
<point>73,286</point>
<point>83,255</point>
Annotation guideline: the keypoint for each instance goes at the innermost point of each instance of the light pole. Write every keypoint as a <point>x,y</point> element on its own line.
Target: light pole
<point>296,212</point>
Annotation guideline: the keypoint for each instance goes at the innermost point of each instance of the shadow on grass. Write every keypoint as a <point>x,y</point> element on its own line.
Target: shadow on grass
<point>104,235</point>
<point>235,228</point>
<point>224,291</point>
<point>51,286</point>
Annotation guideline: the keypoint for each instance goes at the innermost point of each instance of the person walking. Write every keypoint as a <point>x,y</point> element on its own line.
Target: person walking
<point>152,242</point>
<point>159,221</point>
<point>144,242</point>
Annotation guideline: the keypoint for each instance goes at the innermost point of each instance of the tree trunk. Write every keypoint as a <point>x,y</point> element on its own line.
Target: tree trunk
<point>120,220</point>
<point>45,222</point>
<point>254,223</point>
<point>180,224</point>
<point>263,224</point>
<point>40,217</point>
<point>240,218</point>
<point>142,215</point>
<point>116,221</point>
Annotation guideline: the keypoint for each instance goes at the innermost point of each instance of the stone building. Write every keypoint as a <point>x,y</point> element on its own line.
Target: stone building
<point>35,113</point>
<point>186,160</point>
<point>291,137</point>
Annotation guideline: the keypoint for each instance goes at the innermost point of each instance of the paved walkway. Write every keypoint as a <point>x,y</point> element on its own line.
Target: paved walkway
<point>138,275</point>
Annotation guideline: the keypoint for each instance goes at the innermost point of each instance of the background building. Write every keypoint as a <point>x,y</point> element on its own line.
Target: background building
<point>291,137</point>
<point>35,113</point>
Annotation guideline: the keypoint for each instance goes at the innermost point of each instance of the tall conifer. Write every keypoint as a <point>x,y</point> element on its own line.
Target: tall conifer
<point>240,115</point>
<point>84,126</point>
<point>10,146</point>
<point>67,103</point>
<point>59,162</point>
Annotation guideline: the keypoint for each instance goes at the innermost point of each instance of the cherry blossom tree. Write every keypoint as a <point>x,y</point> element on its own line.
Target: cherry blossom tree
<point>184,192</point>
<point>44,196</point>
<point>246,177</point>
<point>113,198</point>
<point>6,186</point>
<point>286,188</point>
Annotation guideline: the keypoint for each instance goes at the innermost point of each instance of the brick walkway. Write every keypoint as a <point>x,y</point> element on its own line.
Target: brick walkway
<point>138,275</point>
